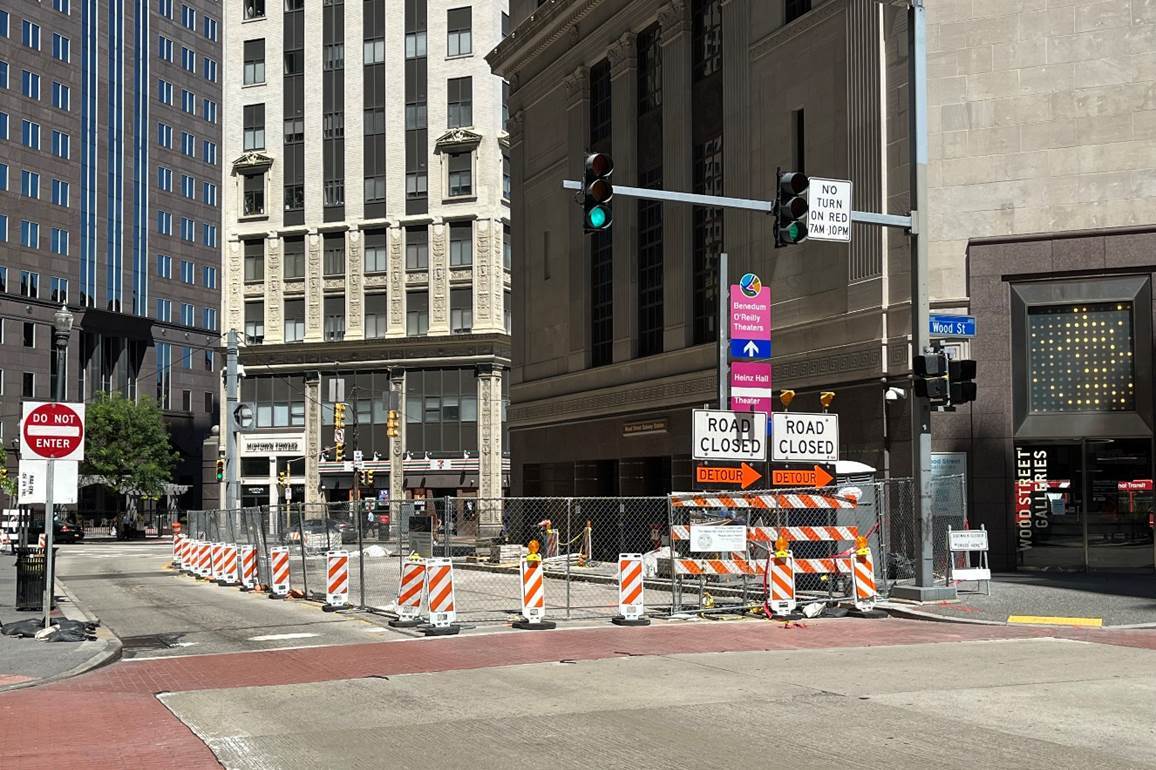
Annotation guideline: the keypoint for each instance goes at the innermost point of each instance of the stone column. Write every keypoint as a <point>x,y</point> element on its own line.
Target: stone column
<point>395,326</point>
<point>313,437</point>
<point>489,449</point>
<point>439,279</point>
<point>677,174</point>
<point>736,74</point>
<point>624,149</point>
<point>488,276</point>
<point>234,289</point>
<point>397,445</point>
<point>577,86</point>
<point>519,267</point>
<point>313,287</point>
<point>354,279</point>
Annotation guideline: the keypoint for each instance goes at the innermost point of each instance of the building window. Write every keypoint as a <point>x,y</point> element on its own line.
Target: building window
<point>209,194</point>
<point>209,277</point>
<point>416,248</point>
<point>294,62</point>
<point>416,184</point>
<point>373,51</point>
<point>649,70</point>
<point>254,202</point>
<point>30,134</point>
<point>210,319</point>
<point>1081,358</point>
<point>187,271</point>
<point>461,310</point>
<point>799,141</point>
<point>58,241</point>
<point>164,266</point>
<point>460,169</point>
<point>507,248</point>
<point>415,45</point>
<point>188,314</point>
<point>164,310</point>
<point>601,299</point>
<point>460,97</point>
<point>254,9</point>
<point>375,316</point>
<point>294,197</point>
<point>706,38</point>
<point>28,389</point>
<point>29,234</point>
<point>165,178</point>
<point>188,230</point>
<point>30,35</point>
<point>294,130</point>
<point>461,244</point>
<point>415,116</point>
<point>60,193</point>
<point>374,121</point>
<point>375,251</point>
<point>61,47</point>
<point>61,145</point>
<point>29,184</point>
<point>650,267</point>
<point>254,261</point>
<point>460,39</point>
<point>333,258</point>
<point>209,235</point>
<point>707,240</point>
<point>334,57</point>
<point>62,6</point>
<point>334,319</point>
<point>417,314</point>
<point>254,127</point>
<point>334,190</point>
<point>505,106</point>
<point>294,320</point>
<point>294,258</point>
<point>254,323</point>
<point>506,184</point>
<point>795,9</point>
<point>29,334</point>
<point>374,189</point>
<point>188,187</point>
<point>600,102</point>
<point>30,84</point>
<point>59,290</point>
<point>254,69</point>
<point>61,96</point>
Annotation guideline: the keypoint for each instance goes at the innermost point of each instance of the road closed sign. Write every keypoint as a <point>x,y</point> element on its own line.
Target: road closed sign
<point>52,431</point>
<point>804,438</point>
<point>722,435</point>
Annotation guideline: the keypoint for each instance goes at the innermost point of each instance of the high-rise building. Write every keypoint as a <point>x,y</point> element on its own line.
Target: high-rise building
<point>109,204</point>
<point>366,210</point>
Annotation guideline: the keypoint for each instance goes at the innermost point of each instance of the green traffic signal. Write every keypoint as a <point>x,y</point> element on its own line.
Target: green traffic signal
<point>794,232</point>
<point>597,218</point>
<point>598,191</point>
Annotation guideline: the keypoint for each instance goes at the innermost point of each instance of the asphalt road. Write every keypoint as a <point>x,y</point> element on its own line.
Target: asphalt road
<point>1025,703</point>
<point>157,612</point>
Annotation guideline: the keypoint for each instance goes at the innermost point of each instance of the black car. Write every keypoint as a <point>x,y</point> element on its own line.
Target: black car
<point>62,532</point>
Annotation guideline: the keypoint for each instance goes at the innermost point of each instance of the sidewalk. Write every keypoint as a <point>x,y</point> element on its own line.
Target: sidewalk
<point>1087,599</point>
<point>24,662</point>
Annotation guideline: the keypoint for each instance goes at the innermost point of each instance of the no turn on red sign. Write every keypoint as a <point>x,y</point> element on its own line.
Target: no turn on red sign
<point>52,431</point>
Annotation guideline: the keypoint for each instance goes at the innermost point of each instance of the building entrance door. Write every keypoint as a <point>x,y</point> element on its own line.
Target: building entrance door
<point>1119,495</point>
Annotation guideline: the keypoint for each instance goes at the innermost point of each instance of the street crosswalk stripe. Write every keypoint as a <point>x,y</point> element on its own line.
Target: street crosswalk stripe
<point>279,637</point>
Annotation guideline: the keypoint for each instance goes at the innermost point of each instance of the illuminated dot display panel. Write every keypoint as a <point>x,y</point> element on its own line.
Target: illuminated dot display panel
<point>1080,358</point>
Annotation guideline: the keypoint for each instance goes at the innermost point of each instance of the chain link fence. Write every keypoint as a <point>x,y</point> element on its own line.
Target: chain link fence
<point>579,539</point>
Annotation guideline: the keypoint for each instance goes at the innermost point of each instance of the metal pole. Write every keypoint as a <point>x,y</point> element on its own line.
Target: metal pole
<point>925,588</point>
<point>232,397</point>
<point>48,566</point>
<point>724,329</point>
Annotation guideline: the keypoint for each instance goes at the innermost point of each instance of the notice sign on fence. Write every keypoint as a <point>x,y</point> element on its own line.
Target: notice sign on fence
<point>706,538</point>
<point>830,216</point>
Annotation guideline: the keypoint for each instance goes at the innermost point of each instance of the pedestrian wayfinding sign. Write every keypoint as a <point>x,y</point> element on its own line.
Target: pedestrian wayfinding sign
<point>52,431</point>
<point>724,435</point>
<point>830,217</point>
<point>750,319</point>
<point>804,438</point>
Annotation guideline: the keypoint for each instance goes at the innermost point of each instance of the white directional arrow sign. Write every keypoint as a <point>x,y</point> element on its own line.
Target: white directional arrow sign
<point>751,349</point>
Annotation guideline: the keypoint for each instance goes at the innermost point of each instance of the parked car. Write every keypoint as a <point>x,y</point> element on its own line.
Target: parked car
<point>67,531</point>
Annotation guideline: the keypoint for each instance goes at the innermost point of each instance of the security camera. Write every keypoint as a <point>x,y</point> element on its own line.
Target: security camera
<point>894,394</point>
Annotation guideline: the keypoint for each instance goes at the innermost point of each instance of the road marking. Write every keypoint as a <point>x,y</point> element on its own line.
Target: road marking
<point>279,637</point>
<point>1047,620</point>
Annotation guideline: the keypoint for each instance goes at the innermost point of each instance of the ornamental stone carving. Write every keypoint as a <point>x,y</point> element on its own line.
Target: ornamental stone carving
<point>673,20</point>
<point>313,290</point>
<point>354,278</point>
<point>622,54</point>
<point>396,277</point>
<point>577,85</point>
<point>236,302</point>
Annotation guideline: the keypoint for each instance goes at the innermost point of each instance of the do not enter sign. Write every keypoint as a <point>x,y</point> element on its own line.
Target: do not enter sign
<point>52,431</point>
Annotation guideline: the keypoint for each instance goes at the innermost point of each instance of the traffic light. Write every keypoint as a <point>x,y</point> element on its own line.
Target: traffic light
<point>339,451</point>
<point>369,477</point>
<point>931,377</point>
<point>391,425</point>
<point>283,478</point>
<point>961,377</point>
<point>598,192</point>
<point>791,208</point>
<point>339,415</point>
<point>220,469</point>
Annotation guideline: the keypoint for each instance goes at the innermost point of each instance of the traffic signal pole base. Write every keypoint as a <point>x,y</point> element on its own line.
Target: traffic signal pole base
<point>924,593</point>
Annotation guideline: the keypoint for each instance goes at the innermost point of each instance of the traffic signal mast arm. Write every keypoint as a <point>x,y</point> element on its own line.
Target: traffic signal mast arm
<point>722,201</point>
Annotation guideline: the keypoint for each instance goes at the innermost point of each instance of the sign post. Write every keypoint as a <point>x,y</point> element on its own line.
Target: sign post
<point>51,432</point>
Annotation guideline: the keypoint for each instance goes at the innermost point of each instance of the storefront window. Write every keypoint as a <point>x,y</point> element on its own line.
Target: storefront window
<point>1081,358</point>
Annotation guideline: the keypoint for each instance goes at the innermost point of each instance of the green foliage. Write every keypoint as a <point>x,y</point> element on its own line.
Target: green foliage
<point>128,444</point>
<point>7,482</point>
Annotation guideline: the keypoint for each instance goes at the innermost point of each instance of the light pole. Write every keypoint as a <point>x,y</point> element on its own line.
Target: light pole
<point>62,322</point>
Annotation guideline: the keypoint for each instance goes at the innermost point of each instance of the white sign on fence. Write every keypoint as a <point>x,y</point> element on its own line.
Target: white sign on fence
<point>705,538</point>
<point>722,435</point>
<point>830,217</point>
<point>804,438</point>
<point>967,540</point>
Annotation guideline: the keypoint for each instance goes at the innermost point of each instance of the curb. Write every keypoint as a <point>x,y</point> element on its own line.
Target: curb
<point>904,611</point>
<point>110,652</point>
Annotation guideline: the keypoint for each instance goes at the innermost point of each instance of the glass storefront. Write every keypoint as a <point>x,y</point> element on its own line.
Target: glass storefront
<point>1085,505</point>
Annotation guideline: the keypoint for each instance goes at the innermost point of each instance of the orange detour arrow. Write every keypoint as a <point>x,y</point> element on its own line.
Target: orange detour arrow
<point>817,477</point>
<point>744,475</point>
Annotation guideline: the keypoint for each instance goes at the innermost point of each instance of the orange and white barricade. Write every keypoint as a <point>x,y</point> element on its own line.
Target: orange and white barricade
<point>278,572</point>
<point>189,555</point>
<point>533,592</point>
<point>781,579</point>
<point>228,564</point>
<point>630,592</point>
<point>247,558</point>
<point>217,561</point>
<point>205,560</point>
<point>178,545</point>
<point>863,576</point>
<point>439,591</point>
<point>337,580</point>
<point>409,593</point>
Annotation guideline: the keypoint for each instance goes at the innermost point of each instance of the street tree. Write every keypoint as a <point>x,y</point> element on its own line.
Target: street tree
<point>127,446</point>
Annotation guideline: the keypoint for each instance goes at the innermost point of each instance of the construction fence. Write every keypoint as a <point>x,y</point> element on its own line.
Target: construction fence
<point>580,540</point>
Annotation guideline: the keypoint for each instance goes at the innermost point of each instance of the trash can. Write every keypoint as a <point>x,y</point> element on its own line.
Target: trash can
<point>30,569</point>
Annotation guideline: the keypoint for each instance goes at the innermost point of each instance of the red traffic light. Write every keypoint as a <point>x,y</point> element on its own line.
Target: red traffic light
<point>793,183</point>
<point>599,164</point>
